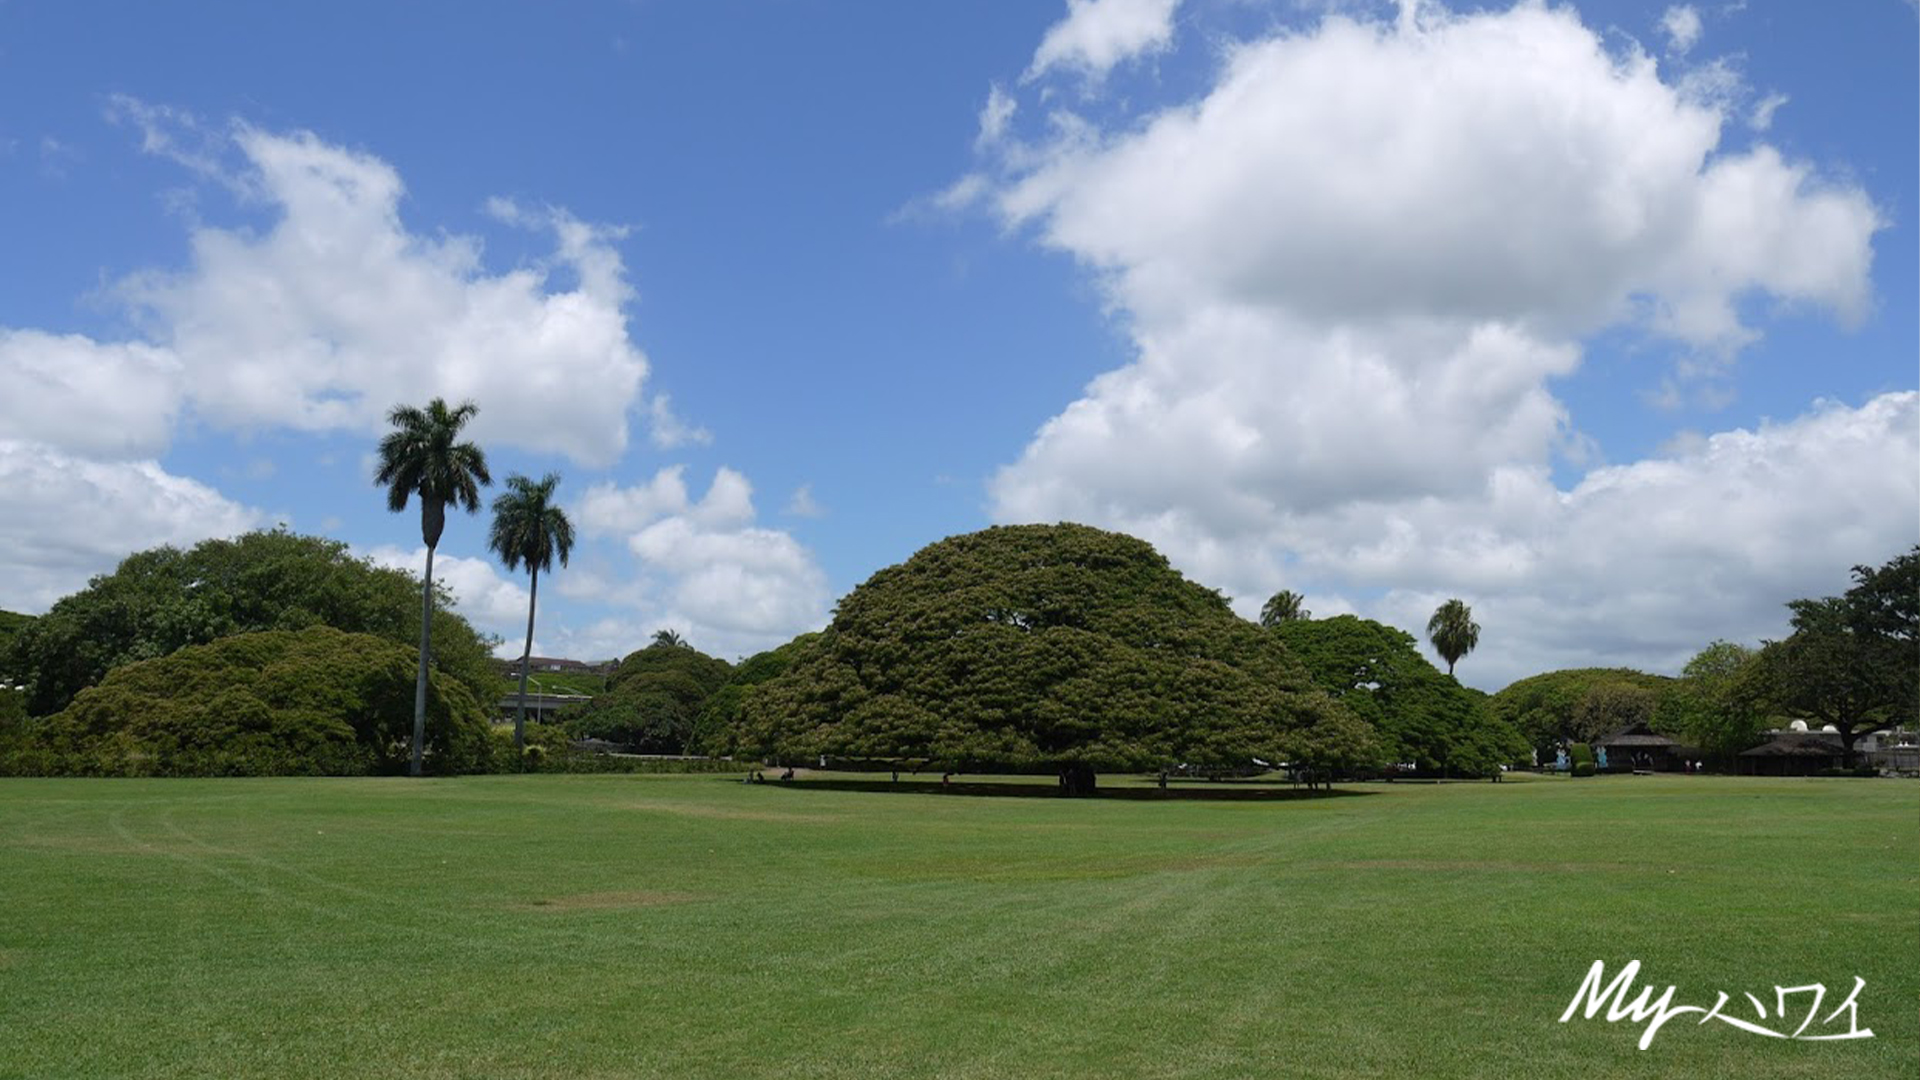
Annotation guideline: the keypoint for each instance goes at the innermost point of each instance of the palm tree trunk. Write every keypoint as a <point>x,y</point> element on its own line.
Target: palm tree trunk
<point>420,683</point>
<point>526,659</point>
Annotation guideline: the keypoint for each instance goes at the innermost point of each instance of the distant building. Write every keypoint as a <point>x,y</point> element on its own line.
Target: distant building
<point>1800,752</point>
<point>553,665</point>
<point>1638,747</point>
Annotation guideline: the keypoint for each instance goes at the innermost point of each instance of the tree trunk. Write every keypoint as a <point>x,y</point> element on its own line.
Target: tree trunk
<point>526,659</point>
<point>420,683</point>
<point>1076,778</point>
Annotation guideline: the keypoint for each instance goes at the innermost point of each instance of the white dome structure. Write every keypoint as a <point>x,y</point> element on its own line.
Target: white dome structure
<point>1797,725</point>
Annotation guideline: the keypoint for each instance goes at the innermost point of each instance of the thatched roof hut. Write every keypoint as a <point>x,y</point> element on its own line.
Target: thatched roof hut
<point>1793,753</point>
<point>1638,746</point>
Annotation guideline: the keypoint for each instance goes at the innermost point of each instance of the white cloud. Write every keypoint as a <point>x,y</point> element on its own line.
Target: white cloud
<point>1682,25</point>
<point>1761,118</point>
<point>1097,35</point>
<point>113,401</point>
<point>995,115</point>
<point>337,312</point>
<point>489,600</point>
<point>68,518</point>
<point>669,431</point>
<point>608,508</point>
<point>1352,271</point>
<point>704,567</point>
<point>803,504</point>
<point>1489,167</point>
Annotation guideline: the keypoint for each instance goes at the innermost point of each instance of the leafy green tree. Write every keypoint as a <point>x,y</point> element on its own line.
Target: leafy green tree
<point>668,637</point>
<point>1609,706</point>
<point>1885,600</point>
<point>1544,707</point>
<point>1835,672</point>
<point>529,528</point>
<point>1713,704</point>
<point>678,655</point>
<point>719,719</point>
<point>1039,645</point>
<point>1282,607</point>
<point>653,699</point>
<point>1421,715</point>
<point>310,702</point>
<point>421,457</point>
<point>11,623</point>
<point>162,599</point>
<point>1453,631</point>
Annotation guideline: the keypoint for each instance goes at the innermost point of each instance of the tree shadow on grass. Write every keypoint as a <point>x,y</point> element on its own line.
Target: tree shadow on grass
<point>1225,791</point>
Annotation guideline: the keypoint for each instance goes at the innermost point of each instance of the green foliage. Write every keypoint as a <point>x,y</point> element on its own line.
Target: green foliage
<point>163,599</point>
<point>1714,704</point>
<point>420,457</point>
<point>1608,707</point>
<point>1544,708</point>
<point>310,702</point>
<point>1580,754</point>
<point>1453,632</point>
<point>710,672</point>
<point>11,623</point>
<point>719,720</point>
<point>1282,607</point>
<point>1421,715</point>
<point>1852,661</point>
<point>1028,645</point>
<point>1583,768</point>
<point>529,529</point>
<point>653,699</point>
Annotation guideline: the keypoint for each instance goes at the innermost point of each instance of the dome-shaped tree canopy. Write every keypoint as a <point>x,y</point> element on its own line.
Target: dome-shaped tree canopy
<point>310,702</point>
<point>1044,644</point>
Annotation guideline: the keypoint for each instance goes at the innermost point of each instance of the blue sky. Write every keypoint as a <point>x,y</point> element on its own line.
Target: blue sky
<point>1600,317</point>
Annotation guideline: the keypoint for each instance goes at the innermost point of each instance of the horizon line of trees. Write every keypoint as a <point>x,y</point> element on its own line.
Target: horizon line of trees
<point>1063,645</point>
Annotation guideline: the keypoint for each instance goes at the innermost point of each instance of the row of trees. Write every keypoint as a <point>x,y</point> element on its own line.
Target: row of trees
<point>422,456</point>
<point>1451,629</point>
<point>1851,662</point>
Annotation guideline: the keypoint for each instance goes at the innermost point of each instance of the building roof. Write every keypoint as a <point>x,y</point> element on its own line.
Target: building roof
<point>1636,735</point>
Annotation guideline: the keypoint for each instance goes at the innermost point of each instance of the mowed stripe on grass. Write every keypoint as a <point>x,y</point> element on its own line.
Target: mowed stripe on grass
<point>622,926</point>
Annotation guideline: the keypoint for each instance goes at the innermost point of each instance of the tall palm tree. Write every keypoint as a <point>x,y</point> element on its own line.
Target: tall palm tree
<point>420,457</point>
<point>671,639</point>
<point>1453,631</point>
<point>1284,606</point>
<point>528,528</point>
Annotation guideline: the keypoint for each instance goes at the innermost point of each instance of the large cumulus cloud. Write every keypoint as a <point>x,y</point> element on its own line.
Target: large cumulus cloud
<point>1352,269</point>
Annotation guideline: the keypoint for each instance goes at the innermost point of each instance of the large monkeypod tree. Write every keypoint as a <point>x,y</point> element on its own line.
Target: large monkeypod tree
<point>1045,645</point>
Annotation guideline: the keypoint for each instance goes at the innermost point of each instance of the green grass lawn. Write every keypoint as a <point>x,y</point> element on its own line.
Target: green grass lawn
<point>621,926</point>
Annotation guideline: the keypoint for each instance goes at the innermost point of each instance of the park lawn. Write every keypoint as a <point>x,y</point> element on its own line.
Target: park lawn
<point>636,926</point>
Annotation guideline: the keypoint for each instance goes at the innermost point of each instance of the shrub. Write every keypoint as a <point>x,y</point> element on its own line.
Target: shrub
<point>310,702</point>
<point>1583,768</point>
<point>1580,753</point>
<point>163,599</point>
